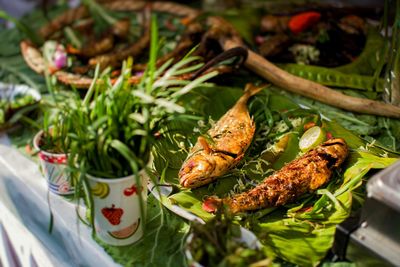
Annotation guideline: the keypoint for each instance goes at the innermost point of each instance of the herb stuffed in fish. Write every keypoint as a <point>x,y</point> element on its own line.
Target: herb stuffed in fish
<point>230,138</point>
<point>300,176</point>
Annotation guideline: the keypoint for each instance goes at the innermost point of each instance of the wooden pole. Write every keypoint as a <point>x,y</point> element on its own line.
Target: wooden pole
<point>289,82</point>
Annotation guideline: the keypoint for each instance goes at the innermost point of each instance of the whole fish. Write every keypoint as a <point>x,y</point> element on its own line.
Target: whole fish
<point>231,136</point>
<point>303,175</point>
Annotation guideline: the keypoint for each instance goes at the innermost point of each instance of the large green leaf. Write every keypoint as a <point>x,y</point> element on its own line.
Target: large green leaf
<point>354,141</point>
<point>303,242</point>
<point>367,61</point>
<point>190,202</point>
<point>303,234</point>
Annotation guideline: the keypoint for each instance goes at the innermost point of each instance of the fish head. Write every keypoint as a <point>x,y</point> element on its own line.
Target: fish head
<point>196,171</point>
<point>336,150</point>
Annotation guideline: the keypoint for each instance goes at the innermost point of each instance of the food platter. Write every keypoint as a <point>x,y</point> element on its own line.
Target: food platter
<point>317,208</point>
<point>286,170</point>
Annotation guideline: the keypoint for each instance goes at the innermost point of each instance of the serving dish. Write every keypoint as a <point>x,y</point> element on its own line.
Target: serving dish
<point>305,227</point>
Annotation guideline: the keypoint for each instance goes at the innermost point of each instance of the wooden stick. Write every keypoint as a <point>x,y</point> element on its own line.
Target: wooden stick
<point>287,81</point>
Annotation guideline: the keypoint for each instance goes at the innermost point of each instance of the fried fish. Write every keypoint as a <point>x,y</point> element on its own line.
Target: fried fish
<point>303,175</point>
<point>231,136</point>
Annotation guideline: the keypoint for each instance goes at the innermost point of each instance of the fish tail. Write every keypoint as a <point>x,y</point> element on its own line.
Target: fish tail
<point>251,90</point>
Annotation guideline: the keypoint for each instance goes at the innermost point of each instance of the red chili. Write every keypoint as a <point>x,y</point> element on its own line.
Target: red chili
<point>303,21</point>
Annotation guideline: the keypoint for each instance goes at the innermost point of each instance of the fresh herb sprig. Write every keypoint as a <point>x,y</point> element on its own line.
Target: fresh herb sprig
<point>55,131</point>
<point>111,131</point>
<point>114,126</point>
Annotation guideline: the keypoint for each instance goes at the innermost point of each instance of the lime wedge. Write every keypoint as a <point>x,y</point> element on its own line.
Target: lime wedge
<point>312,138</point>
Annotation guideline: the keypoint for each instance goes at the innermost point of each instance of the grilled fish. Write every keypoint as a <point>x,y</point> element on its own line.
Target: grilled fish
<point>303,175</point>
<point>231,136</point>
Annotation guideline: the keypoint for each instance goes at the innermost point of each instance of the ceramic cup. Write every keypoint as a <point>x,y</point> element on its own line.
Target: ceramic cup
<point>118,218</point>
<point>54,167</point>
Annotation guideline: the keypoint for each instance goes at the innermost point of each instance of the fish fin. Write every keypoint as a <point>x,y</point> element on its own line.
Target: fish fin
<point>204,144</point>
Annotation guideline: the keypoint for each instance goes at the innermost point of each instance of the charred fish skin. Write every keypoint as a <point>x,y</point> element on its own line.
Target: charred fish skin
<point>303,175</point>
<point>231,136</point>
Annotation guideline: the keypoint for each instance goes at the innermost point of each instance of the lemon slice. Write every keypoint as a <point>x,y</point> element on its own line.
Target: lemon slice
<point>312,138</point>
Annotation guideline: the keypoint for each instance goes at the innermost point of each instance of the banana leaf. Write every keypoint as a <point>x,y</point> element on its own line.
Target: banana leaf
<point>367,61</point>
<point>300,233</point>
<point>304,237</point>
